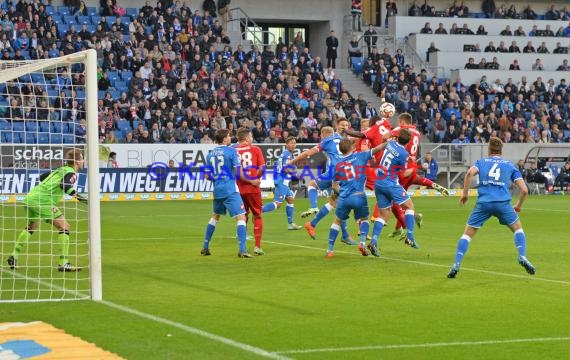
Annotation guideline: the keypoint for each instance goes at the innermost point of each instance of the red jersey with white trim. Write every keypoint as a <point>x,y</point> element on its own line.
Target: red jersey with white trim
<point>413,145</point>
<point>250,155</point>
<point>376,134</point>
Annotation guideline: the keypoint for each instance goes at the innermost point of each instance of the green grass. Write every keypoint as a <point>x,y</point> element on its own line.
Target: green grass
<point>295,299</point>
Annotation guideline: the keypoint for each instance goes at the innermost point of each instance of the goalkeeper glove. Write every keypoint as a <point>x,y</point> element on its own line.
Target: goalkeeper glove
<point>81,199</point>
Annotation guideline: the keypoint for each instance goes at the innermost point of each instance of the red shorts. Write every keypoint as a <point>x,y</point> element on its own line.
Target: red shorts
<point>406,182</point>
<point>252,203</point>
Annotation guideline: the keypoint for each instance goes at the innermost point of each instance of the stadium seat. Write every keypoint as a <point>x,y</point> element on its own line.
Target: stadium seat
<point>110,20</point>
<point>56,139</point>
<point>6,137</point>
<point>83,19</point>
<point>45,126</point>
<point>5,125</point>
<point>18,137</point>
<point>69,20</point>
<point>63,10</point>
<point>57,127</point>
<point>356,65</point>
<point>132,12</point>
<point>124,125</point>
<point>95,19</point>
<point>92,10</point>
<point>554,170</point>
<point>31,126</point>
<point>120,85</point>
<point>25,54</point>
<point>69,139</point>
<point>101,94</point>
<point>38,78</point>
<point>30,138</point>
<point>18,126</point>
<point>50,10</point>
<point>126,76</point>
<point>43,138</point>
<point>80,94</point>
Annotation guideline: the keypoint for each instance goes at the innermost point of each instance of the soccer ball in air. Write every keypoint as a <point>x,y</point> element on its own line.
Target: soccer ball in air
<point>387,110</point>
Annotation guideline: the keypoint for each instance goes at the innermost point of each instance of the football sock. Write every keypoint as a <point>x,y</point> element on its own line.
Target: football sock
<point>333,233</point>
<point>376,212</point>
<point>410,221</point>
<point>364,228</point>
<point>312,193</point>
<point>520,242</point>
<point>269,207</point>
<point>23,238</point>
<point>399,215</point>
<point>462,246</point>
<point>376,230</point>
<point>424,182</point>
<point>257,229</point>
<point>209,232</point>
<point>321,214</point>
<point>289,210</point>
<point>242,235</point>
<point>344,228</point>
<point>63,238</point>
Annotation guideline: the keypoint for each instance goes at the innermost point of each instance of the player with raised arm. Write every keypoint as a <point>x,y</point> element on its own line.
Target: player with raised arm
<point>41,203</point>
<point>253,164</point>
<point>378,131</point>
<point>493,199</point>
<point>222,168</point>
<point>388,190</point>
<point>405,122</point>
<point>350,174</point>
<point>282,175</point>
<point>328,145</point>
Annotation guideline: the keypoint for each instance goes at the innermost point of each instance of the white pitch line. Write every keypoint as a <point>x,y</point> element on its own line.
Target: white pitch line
<point>524,277</point>
<point>426,345</point>
<point>187,328</point>
<point>488,272</point>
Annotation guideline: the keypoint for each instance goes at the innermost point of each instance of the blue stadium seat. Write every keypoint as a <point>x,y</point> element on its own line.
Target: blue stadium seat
<point>62,29</point>
<point>18,126</point>
<point>38,78</point>
<point>5,125</point>
<point>56,139</point>
<point>69,127</point>
<point>91,28</point>
<point>356,64</point>
<point>57,127</point>
<point>92,10</point>
<point>63,10</point>
<point>69,19</point>
<point>57,19</point>
<point>83,19</point>
<point>25,54</point>
<point>30,138</point>
<point>18,137</point>
<point>124,125</point>
<point>69,139</point>
<point>25,78</point>
<point>6,137</point>
<point>132,12</point>
<point>126,75</point>
<point>115,94</point>
<point>566,133</point>
<point>43,138</point>
<point>101,94</point>
<point>50,10</point>
<point>31,126</point>
<point>120,85</point>
<point>95,19</point>
<point>45,126</point>
<point>80,94</point>
<point>110,20</point>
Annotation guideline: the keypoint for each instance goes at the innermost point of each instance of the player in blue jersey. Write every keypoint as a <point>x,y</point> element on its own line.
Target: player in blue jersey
<point>388,189</point>
<point>494,199</point>
<point>350,172</point>
<point>330,146</point>
<point>223,166</point>
<point>282,175</point>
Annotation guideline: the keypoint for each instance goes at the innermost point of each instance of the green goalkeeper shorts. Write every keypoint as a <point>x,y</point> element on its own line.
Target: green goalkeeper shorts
<point>42,212</point>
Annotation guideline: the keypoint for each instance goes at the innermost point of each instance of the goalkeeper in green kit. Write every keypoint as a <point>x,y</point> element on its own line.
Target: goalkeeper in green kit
<point>41,204</point>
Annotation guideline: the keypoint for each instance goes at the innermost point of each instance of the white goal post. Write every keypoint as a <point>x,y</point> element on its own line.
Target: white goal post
<point>44,105</point>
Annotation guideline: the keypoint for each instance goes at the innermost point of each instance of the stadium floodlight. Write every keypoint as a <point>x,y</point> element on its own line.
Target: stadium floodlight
<point>48,109</point>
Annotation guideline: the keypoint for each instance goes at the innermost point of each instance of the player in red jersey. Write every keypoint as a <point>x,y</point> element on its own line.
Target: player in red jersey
<point>253,163</point>
<point>405,122</point>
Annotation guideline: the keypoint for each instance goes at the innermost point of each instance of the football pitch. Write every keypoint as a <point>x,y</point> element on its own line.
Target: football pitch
<point>162,300</point>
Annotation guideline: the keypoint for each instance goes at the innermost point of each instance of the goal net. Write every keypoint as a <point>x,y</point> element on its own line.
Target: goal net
<point>50,241</point>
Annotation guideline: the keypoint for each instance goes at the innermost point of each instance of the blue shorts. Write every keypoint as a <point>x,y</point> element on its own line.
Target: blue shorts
<point>281,193</point>
<point>388,193</point>
<point>502,210</point>
<point>232,204</point>
<point>355,202</point>
<point>325,183</point>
